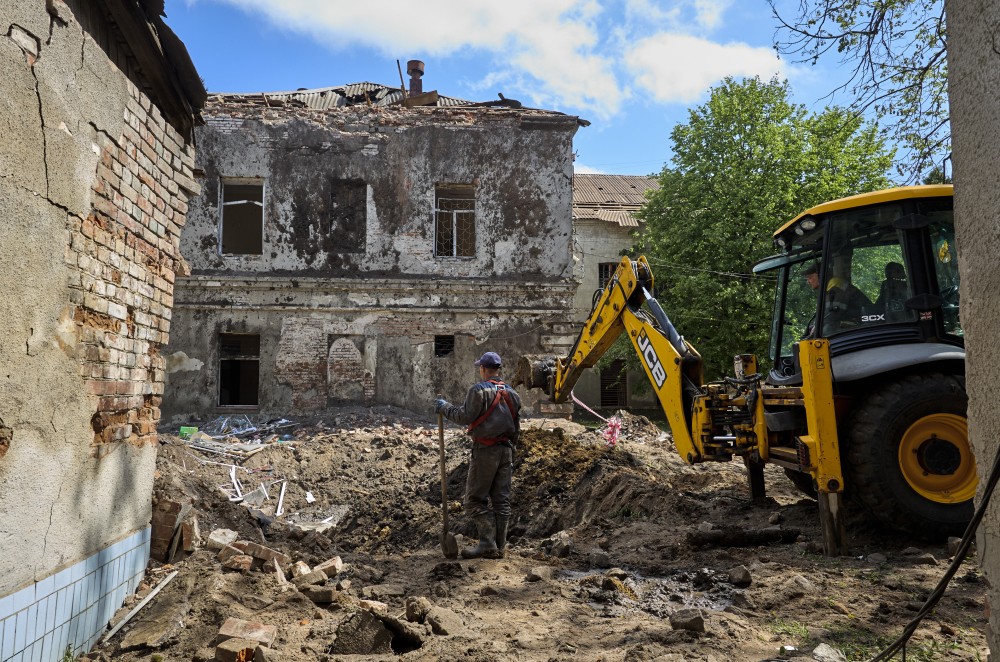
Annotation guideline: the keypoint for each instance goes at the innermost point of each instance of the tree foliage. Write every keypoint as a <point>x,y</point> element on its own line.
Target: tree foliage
<point>745,162</point>
<point>896,53</point>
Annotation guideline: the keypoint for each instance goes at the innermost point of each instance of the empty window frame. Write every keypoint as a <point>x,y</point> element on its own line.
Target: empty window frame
<point>239,369</point>
<point>605,270</point>
<point>241,217</point>
<point>454,220</point>
<point>348,215</point>
<point>444,345</point>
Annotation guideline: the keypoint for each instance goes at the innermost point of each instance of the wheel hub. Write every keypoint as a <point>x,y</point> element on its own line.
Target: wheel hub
<point>939,457</point>
<point>936,459</point>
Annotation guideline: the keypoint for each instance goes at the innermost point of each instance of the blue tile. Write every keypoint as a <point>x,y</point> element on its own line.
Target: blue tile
<point>21,630</point>
<point>8,639</point>
<point>23,598</point>
<point>64,610</point>
<point>34,652</point>
<point>50,615</point>
<point>17,657</point>
<point>91,563</point>
<point>47,652</point>
<point>38,613</point>
<point>144,535</point>
<point>6,606</point>
<point>63,578</point>
<point>45,587</point>
<point>78,571</point>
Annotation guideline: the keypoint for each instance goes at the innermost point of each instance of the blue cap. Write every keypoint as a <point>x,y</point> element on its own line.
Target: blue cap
<point>489,360</point>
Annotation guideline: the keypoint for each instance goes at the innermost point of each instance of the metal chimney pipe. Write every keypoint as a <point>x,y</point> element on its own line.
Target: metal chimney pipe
<point>415,68</point>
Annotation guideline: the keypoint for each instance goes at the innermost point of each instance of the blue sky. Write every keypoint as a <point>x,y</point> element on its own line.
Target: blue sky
<point>631,67</point>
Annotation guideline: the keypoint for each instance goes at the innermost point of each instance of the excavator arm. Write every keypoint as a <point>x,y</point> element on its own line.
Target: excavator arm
<point>673,366</point>
<point>716,421</point>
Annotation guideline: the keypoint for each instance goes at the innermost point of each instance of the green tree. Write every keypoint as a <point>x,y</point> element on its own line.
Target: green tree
<point>745,162</point>
<point>895,53</point>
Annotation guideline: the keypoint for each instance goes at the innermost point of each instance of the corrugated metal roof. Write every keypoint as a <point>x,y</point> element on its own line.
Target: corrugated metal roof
<point>624,218</point>
<point>612,189</point>
<point>611,198</point>
<point>324,98</point>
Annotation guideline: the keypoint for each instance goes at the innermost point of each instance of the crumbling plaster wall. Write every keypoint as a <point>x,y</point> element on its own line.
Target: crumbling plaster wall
<point>974,86</point>
<point>304,294</point>
<point>521,166</point>
<point>91,211</point>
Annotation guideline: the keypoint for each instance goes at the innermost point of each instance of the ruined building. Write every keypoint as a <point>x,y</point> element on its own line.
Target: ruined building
<point>352,246</point>
<point>604,228</point>
<point>98,100</point>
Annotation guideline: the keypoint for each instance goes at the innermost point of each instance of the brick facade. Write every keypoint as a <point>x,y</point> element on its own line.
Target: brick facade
<point>123,259</point>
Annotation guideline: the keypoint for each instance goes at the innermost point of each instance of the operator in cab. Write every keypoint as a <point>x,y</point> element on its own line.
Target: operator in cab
<point>843,306</point>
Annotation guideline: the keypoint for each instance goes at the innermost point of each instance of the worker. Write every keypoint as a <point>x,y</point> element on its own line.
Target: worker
<point>492,414</point>
<point>843,305</point>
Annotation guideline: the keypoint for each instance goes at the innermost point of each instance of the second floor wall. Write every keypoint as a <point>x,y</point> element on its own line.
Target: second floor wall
<point>395,192</point>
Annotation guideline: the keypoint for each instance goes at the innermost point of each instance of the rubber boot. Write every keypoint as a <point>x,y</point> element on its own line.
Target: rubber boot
<point>502,521</point>
<point>487,547</point>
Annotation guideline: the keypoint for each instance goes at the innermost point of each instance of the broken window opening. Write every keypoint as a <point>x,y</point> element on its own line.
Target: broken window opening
<point>454,220</point>
<point>239,369</point>
<point>349,214</point>
<point>444,345</point>
<point>241,217</point>
<point>613,390</point>
<point>605,270</point>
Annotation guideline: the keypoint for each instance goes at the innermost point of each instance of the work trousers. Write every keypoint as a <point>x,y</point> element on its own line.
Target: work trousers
<point>490,471</point>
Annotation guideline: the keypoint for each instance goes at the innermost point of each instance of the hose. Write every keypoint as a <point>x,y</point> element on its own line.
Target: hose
<point>938,592</point>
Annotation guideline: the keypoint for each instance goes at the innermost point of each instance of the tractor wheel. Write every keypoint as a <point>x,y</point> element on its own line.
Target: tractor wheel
<point>803,482</point>
<point>909,461</point>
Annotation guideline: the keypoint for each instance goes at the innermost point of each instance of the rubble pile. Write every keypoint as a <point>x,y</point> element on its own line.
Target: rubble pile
<point>320,540</point>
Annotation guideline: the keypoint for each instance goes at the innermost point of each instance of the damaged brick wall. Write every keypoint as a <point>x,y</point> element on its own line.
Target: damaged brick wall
<point>123,258</point>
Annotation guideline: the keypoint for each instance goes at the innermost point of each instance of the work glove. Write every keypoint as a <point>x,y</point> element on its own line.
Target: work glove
<point>440,405</point>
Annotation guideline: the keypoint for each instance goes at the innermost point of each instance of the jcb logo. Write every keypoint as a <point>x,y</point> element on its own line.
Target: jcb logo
<point>873,318</point>
<point>651,359</point>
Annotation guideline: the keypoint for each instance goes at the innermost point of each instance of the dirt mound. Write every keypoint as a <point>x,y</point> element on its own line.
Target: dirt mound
<point>599,534</point>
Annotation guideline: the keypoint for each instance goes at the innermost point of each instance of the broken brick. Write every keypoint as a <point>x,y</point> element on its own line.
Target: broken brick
<point>240,562</point>
<point>331,567</point>
<point>236,628</point>
<point>266,553</point>
<point>236,650</point>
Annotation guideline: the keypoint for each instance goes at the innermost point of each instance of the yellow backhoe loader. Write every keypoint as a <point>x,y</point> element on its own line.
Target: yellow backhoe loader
<point>866,390</point>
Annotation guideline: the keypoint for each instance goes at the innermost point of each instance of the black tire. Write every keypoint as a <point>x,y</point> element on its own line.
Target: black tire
<point>908,458</point>
<point>803,482</point>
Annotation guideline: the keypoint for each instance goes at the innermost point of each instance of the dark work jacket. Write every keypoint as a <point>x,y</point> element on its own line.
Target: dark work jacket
<point>500,423</point>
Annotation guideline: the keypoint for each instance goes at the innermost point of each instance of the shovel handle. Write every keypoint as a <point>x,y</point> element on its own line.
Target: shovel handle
<point>444,477</point>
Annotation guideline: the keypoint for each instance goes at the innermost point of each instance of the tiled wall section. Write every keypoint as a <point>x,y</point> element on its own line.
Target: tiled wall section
<point>72,607</point>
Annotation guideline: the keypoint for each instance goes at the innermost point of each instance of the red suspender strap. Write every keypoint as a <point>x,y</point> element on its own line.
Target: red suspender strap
<point>493,405</point>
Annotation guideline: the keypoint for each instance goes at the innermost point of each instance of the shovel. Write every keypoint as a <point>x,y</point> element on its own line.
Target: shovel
<point>448,545</point>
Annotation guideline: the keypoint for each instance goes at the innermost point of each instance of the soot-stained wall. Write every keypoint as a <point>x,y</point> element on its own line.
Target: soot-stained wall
<point>346,293</point>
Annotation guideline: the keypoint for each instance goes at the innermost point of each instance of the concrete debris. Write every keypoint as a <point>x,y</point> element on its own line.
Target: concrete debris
<point>362,634</point>
<point>219,538</point>
<point>541,573</point>
<point>827,653</point>
<point>300,569</point>
<point>314,577</point>
<point>740,576</point>
<point>444,622</point>
<point>692,620</point>
<point>331,567</point>
<point>417,609</point>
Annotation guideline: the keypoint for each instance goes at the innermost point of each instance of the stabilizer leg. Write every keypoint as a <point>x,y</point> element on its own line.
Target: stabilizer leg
<point>831,520</point>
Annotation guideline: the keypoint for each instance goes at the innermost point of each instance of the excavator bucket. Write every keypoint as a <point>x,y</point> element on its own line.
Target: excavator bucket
<point>535,371</point>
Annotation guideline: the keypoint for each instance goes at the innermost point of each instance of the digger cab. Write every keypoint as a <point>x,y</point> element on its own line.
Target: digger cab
<point>877,275</point>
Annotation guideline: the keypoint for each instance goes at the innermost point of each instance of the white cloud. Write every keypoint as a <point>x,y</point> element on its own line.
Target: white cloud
<point>580,56</point>
<point>679,68</point>
<point>582,169</point>
<point>548,46</point>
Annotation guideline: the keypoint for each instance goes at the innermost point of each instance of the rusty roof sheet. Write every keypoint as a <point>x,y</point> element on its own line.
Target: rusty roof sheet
<point>611,198</point>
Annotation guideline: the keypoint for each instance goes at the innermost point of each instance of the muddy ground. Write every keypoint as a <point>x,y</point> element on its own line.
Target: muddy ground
<point>600,566</point>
